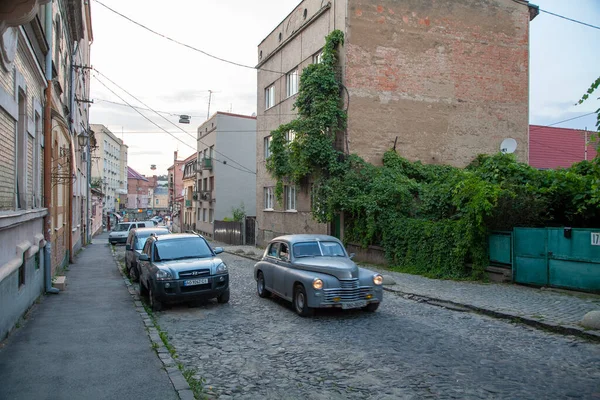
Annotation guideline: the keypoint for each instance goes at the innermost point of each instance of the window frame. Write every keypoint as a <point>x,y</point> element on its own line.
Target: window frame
<point>288,199</point>
<point>268,194</point>
<point>291,83</point>
<point>267,146</point>
<point>270,96</point>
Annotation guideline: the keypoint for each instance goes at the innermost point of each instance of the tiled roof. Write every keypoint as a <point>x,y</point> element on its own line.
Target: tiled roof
<point>551,147</point>
<point>133,174</point>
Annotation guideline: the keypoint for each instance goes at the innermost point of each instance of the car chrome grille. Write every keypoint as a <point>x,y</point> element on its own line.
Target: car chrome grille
<point>194,273</point>
<point>349,291</point>
<point>349,284</point>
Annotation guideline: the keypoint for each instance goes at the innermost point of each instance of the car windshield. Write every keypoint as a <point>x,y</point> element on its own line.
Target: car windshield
<point>318,249</point>
<point>179,249</point>
<point>122,228</point>
<point>141,238</point>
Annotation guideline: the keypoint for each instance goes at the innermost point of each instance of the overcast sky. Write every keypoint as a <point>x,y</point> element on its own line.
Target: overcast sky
<point>564,61</point>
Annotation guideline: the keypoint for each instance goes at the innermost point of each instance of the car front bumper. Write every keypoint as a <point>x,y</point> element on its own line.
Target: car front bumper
<point>113,240</point>
<point>174,291</point>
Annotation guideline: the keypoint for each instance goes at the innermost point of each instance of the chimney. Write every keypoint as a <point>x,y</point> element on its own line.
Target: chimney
<point>175,155</point>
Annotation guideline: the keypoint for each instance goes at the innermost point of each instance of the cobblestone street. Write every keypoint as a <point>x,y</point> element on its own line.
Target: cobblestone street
<point>253,348</point>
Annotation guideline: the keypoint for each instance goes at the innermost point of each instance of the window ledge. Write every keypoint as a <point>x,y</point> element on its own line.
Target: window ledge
<point>9,219</point>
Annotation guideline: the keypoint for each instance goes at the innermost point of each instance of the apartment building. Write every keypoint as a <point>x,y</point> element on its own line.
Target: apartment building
<point>175,175</point>
<point>44,52</point>
<point>226,168</point>
<point>140,194</point>
<point>190,193</point>
<point>109,168</point>
<point>440,82</point>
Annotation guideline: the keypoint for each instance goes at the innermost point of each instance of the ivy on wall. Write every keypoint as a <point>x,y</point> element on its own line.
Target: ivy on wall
<point>430,219</point>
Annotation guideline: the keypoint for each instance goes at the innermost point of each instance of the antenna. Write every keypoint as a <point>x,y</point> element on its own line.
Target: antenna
<point>508,146</point>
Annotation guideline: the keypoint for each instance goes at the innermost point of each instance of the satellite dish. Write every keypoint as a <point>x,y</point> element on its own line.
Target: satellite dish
<point>508,146</point>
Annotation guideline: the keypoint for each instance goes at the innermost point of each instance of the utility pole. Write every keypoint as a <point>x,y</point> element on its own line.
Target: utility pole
<point>209,97</point>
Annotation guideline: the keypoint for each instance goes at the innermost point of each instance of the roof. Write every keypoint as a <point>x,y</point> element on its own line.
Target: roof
<point>175,236</point>
<point>151,229</point>
<point>133,174</point>
<point>305,238</point>
<point>551,147</point>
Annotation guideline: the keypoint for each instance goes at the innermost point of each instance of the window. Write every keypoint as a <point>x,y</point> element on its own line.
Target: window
<point>318,58</point>
<point>267,144</point>
<point>284,254</point>
<point>290,136</point>
<point>156,202</point>
<point>211,215</point>
<point>21,154</point>
<point>291,80</point>
<point>211,183</point>
<point>268,193</point>
<point>269,97</point>
<point>204,215</point>
<point>290,198</point>
<point>273,250</point>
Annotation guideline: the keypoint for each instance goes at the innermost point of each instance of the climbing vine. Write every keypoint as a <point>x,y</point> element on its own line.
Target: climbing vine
<point>320,118</point>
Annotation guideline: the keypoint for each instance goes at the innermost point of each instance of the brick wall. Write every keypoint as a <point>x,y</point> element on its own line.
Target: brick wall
<point>448,78</point>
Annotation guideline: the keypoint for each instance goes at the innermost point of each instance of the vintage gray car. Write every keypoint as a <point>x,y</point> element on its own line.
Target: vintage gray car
<point>314,271</point>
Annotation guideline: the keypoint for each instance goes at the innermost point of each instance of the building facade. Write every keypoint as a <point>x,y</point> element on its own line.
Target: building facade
<point>226,168</point>
<point>189,193</point>
<point>44,136</point>
<point>109,169</point>
<point>439,82</point>
<point>175,177</point>
<point>140,194</point>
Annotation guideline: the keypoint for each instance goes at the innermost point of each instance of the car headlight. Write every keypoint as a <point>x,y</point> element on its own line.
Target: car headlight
<point>317,284</point>
<point>378,279</point>
<point>162,275</point>
<point>221,269</point>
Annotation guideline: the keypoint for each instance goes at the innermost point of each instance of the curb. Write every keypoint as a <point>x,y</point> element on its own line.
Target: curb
<point>548,326</point>
<point>180,385</point>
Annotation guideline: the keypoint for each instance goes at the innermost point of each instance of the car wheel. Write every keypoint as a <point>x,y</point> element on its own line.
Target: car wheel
<point>371,307</point>
<point>133,274</point>
<point>154,303</point>
<point>143,290</point>
<point>301,302</point>
<point>260,286</point>
<point>223,297</point>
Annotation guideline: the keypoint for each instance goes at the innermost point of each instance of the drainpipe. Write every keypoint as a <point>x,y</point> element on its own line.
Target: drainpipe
<point>48,158</point>
<point>72,150</point>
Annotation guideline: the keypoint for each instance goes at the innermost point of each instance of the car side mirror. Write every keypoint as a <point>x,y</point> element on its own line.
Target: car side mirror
<point>144,257</point>
<point>127,247</point>
<point>351,255</point>
<point>218,250</point>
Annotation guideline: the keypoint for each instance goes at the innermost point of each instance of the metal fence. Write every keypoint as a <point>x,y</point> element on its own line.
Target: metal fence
<point>229,232</point>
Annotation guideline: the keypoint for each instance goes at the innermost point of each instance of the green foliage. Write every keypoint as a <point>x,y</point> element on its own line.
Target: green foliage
<point>320,116</point>
<point>585,97</point>
<point>430,219</point>
<point>239,213</point>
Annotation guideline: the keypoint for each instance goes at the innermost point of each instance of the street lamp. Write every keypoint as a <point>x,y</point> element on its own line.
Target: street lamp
<point>82,139</point>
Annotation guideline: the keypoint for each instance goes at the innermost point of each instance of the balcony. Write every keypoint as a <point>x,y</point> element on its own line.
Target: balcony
<point>207,163</point>
<point>205,195</point>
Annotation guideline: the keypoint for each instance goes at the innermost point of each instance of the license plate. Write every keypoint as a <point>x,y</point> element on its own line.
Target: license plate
<point>193,282</point>
<point>354,304</point>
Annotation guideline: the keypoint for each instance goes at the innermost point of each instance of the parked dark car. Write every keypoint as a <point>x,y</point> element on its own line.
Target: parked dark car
<point>314,271</point>
<point>181,267</point>
<point>134,245</point>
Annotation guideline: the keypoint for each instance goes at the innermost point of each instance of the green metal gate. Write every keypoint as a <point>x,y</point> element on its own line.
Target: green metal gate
<point>557,257</point>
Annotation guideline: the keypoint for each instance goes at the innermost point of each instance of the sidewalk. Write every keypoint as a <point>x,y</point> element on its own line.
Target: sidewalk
<point>87,342</point>
<point>557,310</point>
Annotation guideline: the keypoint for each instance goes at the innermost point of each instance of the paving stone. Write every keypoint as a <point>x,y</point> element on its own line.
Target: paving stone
<point>258,348</point>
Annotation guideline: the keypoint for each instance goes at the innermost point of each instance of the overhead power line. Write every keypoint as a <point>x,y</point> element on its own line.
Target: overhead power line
<point>184,44</point>
<point>245,169</point>
<point>525,3</point>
